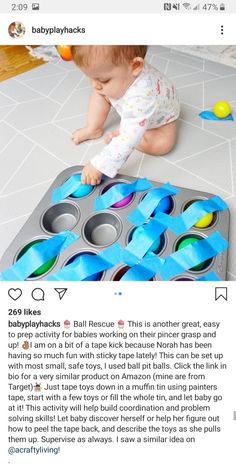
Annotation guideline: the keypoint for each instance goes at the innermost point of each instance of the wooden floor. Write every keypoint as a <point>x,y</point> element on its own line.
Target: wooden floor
<point>15,60</point>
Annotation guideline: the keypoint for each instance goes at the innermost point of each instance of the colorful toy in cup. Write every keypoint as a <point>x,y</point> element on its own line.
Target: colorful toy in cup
<point>42,269</point>
<point>82,190</point>
<point>137,234</point>
<point>94,277</point>
<point>164,205</point>
<point>205,221</point>
<point>190,240</point>
<point>123,202</point>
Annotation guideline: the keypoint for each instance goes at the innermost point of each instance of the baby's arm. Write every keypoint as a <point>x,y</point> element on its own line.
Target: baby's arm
<point>98,110</point>
<point>134,122</point>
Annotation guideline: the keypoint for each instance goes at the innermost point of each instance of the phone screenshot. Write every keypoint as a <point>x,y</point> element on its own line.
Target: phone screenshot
<point>117,164</point>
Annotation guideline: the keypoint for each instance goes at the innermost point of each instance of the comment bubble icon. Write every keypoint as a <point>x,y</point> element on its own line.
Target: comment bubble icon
<point>38,294</point>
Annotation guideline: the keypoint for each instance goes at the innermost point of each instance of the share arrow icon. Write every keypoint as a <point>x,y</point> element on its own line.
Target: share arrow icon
<point>61,292</point>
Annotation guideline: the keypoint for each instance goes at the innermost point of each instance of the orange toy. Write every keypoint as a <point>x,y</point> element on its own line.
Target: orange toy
<point>65,52</point>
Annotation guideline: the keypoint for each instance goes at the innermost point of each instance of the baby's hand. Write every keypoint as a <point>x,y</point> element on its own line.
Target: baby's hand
<point>90,175</point>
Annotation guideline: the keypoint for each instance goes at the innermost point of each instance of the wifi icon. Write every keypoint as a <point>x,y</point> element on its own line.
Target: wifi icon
<point>187,6</point>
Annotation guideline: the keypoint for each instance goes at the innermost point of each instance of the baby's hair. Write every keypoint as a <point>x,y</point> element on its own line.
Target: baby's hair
<point>84,55</point>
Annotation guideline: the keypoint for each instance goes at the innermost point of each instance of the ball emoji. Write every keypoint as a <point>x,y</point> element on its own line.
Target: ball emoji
<point>222,109</point>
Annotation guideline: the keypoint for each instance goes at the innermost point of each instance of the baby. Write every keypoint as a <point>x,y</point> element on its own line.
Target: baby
<point>143,97</point>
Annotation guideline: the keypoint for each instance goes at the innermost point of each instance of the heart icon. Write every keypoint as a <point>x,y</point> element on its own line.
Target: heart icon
<point>15,293</point>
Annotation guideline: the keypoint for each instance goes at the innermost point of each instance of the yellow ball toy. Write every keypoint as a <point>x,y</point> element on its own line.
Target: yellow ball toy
<point>222,109</point>
<point>204,221</point>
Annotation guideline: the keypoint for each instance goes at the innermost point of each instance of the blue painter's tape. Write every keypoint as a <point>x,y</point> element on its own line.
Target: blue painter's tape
<point>138,247</point>
<point>191,215</point>
<point>210,276</point>
<point>208,115</point>
<point>38,255</point>
<point>193,255</point>
<point>145,270</point>
<point>150,202</point>
<point>72,186</point>
<point>120,191</point>
<point>85,266</point>
<point>164,205</point>
<point>138,233</point>
<point>94,277</point>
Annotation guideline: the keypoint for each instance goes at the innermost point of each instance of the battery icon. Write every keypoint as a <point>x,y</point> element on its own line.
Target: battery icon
<point>222,7</point>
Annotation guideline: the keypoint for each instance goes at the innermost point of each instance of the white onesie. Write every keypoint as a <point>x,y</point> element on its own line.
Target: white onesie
<point>150,102</point>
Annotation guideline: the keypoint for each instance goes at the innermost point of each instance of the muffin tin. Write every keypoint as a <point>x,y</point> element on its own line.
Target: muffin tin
<point>98,230</point>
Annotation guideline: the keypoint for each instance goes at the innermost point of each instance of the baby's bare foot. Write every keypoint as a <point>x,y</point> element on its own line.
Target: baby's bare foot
<point>111,135</point>
<point>82,134</point>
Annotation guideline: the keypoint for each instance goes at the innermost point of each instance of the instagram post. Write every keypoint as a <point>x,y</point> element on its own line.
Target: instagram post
<point>122,152</point>
<point>117,164</point>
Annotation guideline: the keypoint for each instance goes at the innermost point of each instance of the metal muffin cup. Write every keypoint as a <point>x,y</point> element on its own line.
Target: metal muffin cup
<point>61,216</point>
<point>102,229</point>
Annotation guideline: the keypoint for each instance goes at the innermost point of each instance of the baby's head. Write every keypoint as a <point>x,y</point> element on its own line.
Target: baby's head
<point>112,68</point>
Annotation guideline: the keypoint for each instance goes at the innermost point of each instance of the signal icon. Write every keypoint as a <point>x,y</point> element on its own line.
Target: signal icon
<point>197,7</point>
<point>187,6</point>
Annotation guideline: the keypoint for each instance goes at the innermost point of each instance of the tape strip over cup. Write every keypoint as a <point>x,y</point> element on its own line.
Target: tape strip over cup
<point>138,247</point>
<point>86,265</point>
<point>145,270</point>
<point>149,203</point>
<point>120,191</point>
<point>69,187</point>
<point>191,215</point>
<point>151,265</point>
<point>192,255</point>
<point>38,255</point>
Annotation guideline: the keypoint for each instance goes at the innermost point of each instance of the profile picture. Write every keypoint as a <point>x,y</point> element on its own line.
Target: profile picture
<point>16,30</point>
